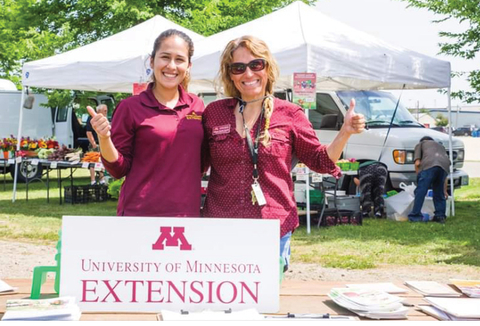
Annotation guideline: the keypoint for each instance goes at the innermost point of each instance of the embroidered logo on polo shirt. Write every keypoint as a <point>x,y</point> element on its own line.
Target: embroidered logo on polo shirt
<point>193,116</point>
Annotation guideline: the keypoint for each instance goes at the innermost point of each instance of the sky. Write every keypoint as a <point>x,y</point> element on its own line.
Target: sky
<point>411,28</point>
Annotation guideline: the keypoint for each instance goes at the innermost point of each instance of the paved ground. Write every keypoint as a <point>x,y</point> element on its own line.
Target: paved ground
<point>472,156</point>
<point>17,260</point>
<point>472,152</point>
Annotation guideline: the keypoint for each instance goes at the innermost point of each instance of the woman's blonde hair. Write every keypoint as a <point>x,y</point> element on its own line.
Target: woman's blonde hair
<point>260,50</point>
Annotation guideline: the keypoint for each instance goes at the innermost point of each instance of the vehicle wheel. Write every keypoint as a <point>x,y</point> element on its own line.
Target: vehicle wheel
<point>27,171</point>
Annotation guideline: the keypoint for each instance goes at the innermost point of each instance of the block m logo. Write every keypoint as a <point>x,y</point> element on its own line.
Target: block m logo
<point>167,239</point>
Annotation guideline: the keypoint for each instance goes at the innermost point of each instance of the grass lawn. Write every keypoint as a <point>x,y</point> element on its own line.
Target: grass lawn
<point>380,242</point>
<point>377,242</point>
<point>39,221</point>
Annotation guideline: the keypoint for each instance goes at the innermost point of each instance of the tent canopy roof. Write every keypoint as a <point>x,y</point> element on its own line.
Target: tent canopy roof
<point>302,39</point>
<point>108,65</point>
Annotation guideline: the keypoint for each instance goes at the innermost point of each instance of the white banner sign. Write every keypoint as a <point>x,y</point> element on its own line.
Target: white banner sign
<point>148,264</point>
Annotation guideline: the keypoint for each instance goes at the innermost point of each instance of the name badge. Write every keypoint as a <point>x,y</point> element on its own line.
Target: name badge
<point>221,130</point>
<point>257,195</point>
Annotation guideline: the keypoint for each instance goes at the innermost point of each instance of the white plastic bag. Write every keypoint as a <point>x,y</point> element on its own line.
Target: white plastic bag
<point>399,206</point>
<point>410,189</point>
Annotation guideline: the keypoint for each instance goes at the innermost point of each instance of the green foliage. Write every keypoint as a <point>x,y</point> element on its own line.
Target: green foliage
<point>35,29</point>
<point>441,120</point>
<point>115,187</point>
<point>58,98</point>
<point>464,44</point>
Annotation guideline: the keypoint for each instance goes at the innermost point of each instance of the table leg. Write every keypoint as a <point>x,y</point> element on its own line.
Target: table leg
<point>71,183</point>
<point>335,201</point>
<point>59,182</point>
<point>48,184</point>
<point>5,175</point>
<point>322,189</point>
<point>26,178</point>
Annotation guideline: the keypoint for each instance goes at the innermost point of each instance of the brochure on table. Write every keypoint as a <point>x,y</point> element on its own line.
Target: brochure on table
<point>6,289</point>
<point>58,309</point>
<point>147,264</point>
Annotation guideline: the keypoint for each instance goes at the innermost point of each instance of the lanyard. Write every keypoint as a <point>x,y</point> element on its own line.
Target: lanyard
<point>253,147</point>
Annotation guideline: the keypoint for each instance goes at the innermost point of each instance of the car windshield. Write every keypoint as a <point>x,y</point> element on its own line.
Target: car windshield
<point>378,108</point>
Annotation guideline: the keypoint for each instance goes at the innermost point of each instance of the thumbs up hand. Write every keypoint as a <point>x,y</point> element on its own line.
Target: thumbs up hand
<point>354,123</point>
<point>99,123</point>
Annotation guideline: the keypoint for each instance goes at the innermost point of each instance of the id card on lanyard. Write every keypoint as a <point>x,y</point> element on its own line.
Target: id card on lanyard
<point>257,193</point>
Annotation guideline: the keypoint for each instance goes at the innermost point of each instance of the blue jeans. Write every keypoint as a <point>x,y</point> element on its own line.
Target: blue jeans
<point>285,248</point>
<point>434,178</point>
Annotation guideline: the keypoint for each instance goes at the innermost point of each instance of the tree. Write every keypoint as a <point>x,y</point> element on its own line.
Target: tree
<point>34,29</point>
<point>441,121</point>
<point>465,44</point>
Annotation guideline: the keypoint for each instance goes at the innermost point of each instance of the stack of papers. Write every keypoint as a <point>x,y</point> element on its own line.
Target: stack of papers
<point>432,289</point>
<point>442,315</point>
<point>63,308</point>
<point>367,303</point>
<point>6,289</point>
<point>454,308</point>
<point>385,287</point>
<point>469,288</point>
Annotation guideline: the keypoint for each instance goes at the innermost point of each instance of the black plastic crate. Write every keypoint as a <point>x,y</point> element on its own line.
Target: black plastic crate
<point>76,195</point>
<point>86,194</point>
<point>98,193</point>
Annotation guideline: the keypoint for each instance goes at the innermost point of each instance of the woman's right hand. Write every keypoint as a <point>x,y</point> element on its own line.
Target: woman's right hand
<point>99,123</point>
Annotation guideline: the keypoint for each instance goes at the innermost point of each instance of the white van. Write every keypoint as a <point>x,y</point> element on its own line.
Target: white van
<point>405,132</point>
<point>378,108</point>
<point>38,122</point>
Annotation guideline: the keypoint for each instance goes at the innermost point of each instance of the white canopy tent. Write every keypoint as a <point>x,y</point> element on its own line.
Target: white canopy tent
<point>302,39</point>
<point>109,65</point>
<point>112,64</point>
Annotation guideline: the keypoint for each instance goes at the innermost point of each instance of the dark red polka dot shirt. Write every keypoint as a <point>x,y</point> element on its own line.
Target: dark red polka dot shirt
<point>230,183</point>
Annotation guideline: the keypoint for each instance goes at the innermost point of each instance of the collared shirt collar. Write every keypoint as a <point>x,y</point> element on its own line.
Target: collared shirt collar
<point>148,98</point>
<point>232,103</point>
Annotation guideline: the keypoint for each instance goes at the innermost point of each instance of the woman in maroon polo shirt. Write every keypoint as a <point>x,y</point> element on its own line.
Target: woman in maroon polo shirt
<point>252,138</point>
<point>155,138</point>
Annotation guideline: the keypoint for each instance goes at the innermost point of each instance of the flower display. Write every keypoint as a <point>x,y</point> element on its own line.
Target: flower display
<point>9,144</point>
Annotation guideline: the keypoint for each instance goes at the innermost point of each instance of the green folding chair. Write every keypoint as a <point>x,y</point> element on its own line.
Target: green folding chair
<point>40,274</point>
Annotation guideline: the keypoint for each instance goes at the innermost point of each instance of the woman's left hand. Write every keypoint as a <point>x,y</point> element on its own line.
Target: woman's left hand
<point>354,123</point>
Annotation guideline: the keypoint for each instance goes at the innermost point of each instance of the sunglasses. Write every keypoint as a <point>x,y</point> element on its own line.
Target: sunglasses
<point>238,68</point>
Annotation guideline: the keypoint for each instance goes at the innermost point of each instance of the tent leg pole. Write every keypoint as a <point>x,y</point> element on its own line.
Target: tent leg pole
<point>450,151</point>
<point>19,138</point>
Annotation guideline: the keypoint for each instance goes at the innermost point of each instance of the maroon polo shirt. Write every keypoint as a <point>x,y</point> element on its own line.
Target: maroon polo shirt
<point>229,186</point>
<point>159,155</point>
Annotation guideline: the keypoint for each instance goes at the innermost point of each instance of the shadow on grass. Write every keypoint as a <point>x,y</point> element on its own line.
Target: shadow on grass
<point>38,207</point>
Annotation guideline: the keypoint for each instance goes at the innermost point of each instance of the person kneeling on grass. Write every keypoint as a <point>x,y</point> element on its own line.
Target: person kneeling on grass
<point>431,165</point>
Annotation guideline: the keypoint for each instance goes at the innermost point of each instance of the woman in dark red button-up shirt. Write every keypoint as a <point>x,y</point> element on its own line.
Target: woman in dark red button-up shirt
<point>156,137</point>
<point>248,72</point>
